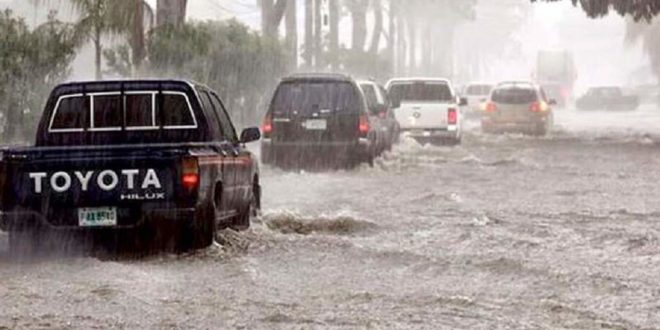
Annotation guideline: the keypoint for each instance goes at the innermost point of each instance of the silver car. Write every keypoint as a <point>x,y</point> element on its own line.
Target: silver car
<point>518,106</point>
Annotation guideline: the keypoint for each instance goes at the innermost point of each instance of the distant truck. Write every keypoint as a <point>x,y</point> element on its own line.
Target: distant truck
<point>556,73</point>
<point>607,98</point>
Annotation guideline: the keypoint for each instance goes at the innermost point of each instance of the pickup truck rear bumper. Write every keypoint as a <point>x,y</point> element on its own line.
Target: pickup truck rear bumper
<point>19,220</point>
<point>451,132</point>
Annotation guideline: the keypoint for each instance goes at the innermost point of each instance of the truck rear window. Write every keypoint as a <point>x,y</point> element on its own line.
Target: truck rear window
<point>478,90</point>
<point>139,111</point>
<point>115,111</point>
<point>107,112</point>
<point>421,92</point>
<point>72,114</point>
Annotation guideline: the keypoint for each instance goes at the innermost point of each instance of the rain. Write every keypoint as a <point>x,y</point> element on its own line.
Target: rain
<point>329,164</point>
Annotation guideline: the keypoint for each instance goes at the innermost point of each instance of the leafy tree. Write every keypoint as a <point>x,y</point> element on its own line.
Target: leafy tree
<point>101,17</point>
<point>31,63</point>
<point>638,9</point>
<point>229,57</point>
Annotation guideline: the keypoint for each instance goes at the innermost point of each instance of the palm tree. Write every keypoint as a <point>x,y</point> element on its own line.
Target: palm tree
<point>648,33</point>
<point>101,17</point>
<point>171,12</point>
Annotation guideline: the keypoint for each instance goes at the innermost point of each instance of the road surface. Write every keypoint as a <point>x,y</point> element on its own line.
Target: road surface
<point>503,232</point>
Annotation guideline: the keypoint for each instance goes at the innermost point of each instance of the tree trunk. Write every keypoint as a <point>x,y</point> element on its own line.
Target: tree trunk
<point>171,12</point>
<point>98,48</point>
<point>378,27</point>
<point>309,33</point>
<point>392,37</point>
<point>412,45</point>
<point>333,46</point>
<point>428,58</point>
<point>292,30</point>
<point>267,18</point>
<point>359,16</point>
<point>137,37</point>
<point>402,44</point>
<point>318,34</point>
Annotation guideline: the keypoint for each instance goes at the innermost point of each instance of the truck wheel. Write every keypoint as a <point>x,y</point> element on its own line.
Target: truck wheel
<point>244,219</point>
<point>204,234</point>
<point>198,234</point>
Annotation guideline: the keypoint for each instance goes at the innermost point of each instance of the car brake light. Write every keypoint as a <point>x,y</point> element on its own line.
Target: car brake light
<point>538,107</point>
<point>490,107</point>
<point>267,126</point>
<point>190,173</point>
<point>363,126</point>
<point>452,116</point>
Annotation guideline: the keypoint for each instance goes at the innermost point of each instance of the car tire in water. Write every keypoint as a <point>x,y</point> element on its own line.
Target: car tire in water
<point>196,234</point>
<point>244,219</point>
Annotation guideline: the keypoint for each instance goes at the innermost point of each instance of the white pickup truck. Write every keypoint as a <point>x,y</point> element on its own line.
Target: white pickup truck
<point>427,109</point>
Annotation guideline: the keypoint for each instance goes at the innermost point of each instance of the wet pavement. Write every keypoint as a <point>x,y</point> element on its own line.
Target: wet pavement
<point>503,232</point>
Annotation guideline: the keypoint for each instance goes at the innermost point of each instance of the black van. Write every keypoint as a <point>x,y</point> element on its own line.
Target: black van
<point>319,120</point>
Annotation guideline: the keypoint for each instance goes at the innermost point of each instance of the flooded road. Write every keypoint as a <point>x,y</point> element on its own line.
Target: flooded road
<point>503,232</point>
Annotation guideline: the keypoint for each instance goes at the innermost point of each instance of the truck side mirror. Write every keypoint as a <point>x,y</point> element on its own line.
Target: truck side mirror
<point>250,134</point>
<point>396,103</point>
<point>463,102</point>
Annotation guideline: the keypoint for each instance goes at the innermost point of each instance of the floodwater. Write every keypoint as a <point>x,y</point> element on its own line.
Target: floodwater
<point>503,232</point>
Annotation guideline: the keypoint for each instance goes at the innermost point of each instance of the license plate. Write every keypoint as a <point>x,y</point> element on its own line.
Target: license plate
<point>418,132</point>
<point>97,217</point>
<point>316,124</point>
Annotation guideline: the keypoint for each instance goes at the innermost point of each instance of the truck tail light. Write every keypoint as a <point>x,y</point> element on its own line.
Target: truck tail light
<point>267,126</point>
<point>490,107</point>
<point>363,126</point>
<point>190,173</point>
<point>452,116</point>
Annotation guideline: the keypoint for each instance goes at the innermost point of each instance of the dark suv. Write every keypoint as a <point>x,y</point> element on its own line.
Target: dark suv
<point>319,120</point>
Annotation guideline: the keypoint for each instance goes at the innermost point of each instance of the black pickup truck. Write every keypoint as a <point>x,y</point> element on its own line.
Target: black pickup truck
<point>140,161</point>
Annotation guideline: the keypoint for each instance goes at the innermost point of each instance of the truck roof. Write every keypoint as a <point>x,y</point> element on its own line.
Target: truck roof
<point>123,85</point>
<point>318,76</point>
<point>417,79</point>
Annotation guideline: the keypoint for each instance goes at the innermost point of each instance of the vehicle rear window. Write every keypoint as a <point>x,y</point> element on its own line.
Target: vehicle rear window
<point>478,90</point>
<point>514,95</point>
<point>71,114</point>
<point>312,97</point>
<point>175,112</point>
<point>107,112</point>
<point>139,111</point>
<point>421,92</point>
<point>113,112</point>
